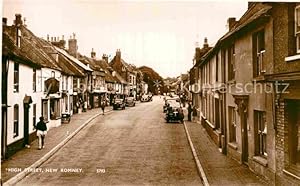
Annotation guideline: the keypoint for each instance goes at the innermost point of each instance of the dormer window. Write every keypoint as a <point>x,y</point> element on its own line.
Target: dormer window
<point>123,69</point>
<point>19,34</point>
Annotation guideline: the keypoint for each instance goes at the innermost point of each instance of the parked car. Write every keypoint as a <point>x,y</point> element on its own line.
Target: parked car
<point>118,103</point>
<point>65,117</point>
<point>174,112</point>
<point>130,102</point>
<point>146,98</point>
<point>167,103</point>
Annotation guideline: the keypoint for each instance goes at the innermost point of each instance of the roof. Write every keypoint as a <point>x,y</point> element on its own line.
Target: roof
<point>120,78</point>
<point>31,47</point>
<point>64,63</point>
<point>79,63</point>
<point>10,49</point>
<point>256,12</point>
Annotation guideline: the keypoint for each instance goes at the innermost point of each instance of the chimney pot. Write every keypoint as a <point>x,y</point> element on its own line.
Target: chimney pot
<point>18,21</point>
<point>205,45</point>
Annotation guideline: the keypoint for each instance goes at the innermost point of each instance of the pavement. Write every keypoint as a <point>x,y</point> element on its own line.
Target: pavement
<point>219,168</point>
<point>29,156</point>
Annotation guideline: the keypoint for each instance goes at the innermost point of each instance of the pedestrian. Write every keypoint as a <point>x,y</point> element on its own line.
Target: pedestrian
<point>194,113</point>
<point>41,132</point>
<point>85,106</point>
<point>103,104</point>
<point>190,109</point>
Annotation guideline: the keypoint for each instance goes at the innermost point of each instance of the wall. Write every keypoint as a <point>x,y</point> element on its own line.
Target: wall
<point>25,87</point>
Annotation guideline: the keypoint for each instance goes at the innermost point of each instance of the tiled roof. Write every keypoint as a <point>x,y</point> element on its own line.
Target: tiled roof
<point>10,49</point>
<point>73,59</point>
<point>67,67</point>
<point>31,47</point>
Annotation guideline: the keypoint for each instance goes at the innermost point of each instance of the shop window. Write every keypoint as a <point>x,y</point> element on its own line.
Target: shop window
<point>54,109</point>
<point>45,109</point>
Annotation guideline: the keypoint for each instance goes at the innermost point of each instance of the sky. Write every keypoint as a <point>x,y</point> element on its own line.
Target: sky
<point>159,34</point>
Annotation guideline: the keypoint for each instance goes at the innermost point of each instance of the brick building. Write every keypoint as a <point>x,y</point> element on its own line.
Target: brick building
<point>250,91</point>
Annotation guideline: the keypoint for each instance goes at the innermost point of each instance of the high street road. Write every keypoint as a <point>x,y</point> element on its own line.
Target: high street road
<point>134,146</point>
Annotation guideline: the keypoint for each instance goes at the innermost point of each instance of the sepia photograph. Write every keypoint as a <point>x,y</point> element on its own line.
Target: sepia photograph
<point>150,92</point>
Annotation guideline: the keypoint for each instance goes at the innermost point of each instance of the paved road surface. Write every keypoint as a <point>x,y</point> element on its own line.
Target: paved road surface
<point>130,147</point>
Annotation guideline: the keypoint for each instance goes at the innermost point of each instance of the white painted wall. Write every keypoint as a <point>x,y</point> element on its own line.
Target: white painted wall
<point>25,87</point>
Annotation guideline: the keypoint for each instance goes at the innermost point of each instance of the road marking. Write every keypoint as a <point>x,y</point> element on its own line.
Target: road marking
<point>199,166</point>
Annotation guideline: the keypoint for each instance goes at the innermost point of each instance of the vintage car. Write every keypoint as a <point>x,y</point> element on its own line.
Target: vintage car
<point>146,98</point>
<point>174,112</point>
<point>167,103</point>
<point>130,102</point>
<point>65,117</point>
<point>118,103</point>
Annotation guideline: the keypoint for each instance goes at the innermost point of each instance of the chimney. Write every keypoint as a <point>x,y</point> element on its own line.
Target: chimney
<point>205,45</point>
<point>18,21</point>
<point>72,42</point>
<point>105,58</point>
<point>231,22</point>
<point>197,54</point>
<point>118,56</point>
<point>93,54</point>
<point>4,21</point>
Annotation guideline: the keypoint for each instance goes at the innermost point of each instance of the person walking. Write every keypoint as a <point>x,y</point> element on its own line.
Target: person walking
<point>190,109</point>
<point>85,106</point>
<point>41,132</point>
<point>103,104</point>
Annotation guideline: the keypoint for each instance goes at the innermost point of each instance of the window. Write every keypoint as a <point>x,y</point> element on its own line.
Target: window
<point>63,83</point>
<point>258,53</point>
<point>67,83</point>
<point>260,128</point>
<point>297,27</point>
<point>232,124</point>
<point>45,109</point>
<point>16,120</point>
<point>231,62</point>
<point>16,77</point>
<point>34,115</point>
<point>75,83</point>
<point>54,109</point>
<point>53,74</point>
<point>34,80</point>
